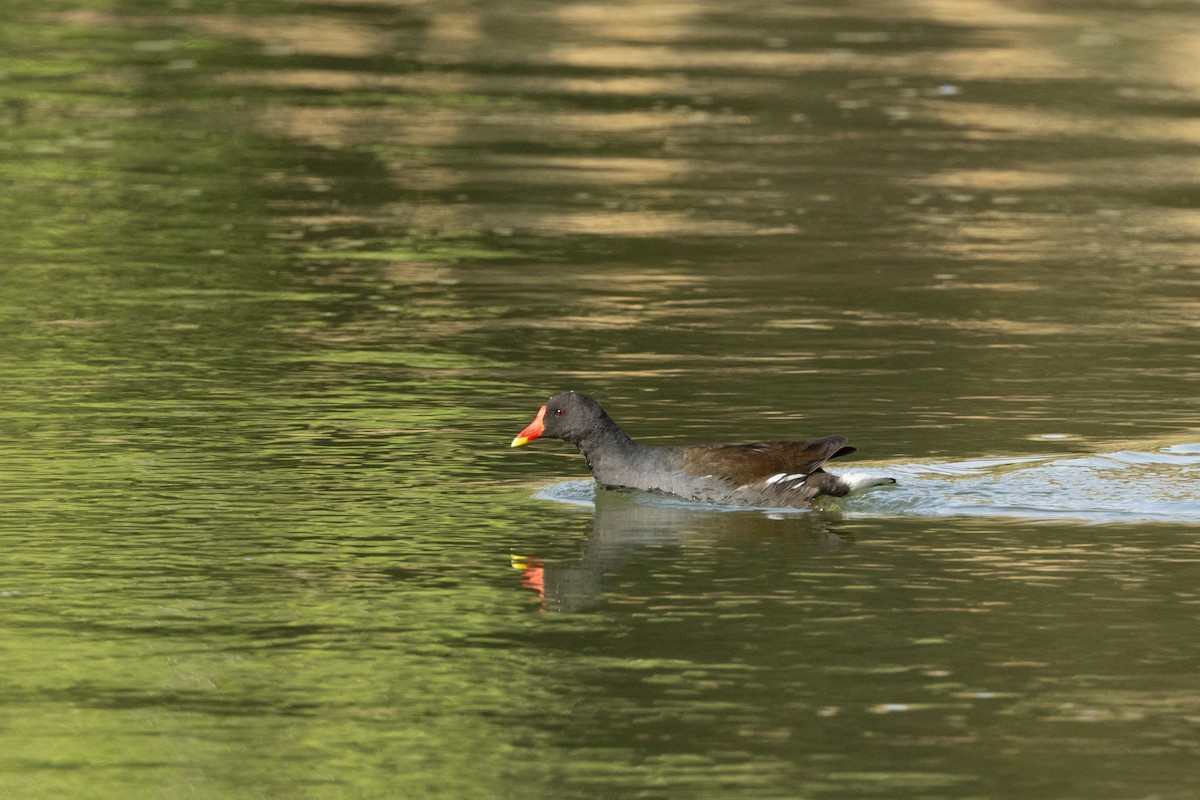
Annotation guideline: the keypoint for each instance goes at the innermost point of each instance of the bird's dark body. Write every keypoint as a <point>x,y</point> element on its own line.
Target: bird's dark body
<point>775,474</point>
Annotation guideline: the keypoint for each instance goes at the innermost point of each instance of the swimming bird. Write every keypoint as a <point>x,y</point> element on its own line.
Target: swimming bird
<point>770,474</point>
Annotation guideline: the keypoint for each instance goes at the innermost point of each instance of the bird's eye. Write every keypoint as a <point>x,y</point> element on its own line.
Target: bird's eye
<point>558,412</point>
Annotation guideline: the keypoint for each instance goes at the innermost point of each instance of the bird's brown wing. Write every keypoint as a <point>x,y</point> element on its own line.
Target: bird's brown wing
<point>743,464</point>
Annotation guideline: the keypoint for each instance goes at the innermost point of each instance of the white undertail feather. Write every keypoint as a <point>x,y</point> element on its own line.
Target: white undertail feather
<point>863,480</point>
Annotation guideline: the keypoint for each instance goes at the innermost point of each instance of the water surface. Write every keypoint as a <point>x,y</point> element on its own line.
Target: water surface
<point>281,280</point>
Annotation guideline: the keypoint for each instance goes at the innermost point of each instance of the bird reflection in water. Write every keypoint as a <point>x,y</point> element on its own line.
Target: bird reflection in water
<point>624,523</point>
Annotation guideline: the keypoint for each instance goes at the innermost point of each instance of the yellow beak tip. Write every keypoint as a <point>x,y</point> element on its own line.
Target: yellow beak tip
<point>520,440</point>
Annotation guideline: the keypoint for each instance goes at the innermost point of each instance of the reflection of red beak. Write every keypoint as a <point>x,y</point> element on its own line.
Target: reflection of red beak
<point>533,431</point>
<point>535,578</point>
<point>533,575</point>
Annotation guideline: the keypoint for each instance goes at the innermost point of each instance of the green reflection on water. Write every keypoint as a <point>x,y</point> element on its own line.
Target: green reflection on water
<point>281,281</point>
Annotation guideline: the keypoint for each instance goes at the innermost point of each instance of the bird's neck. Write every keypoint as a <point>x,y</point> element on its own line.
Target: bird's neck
<point>610,453</point>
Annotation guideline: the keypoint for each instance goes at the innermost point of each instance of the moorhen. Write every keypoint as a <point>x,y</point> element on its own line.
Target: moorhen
<point>771,474</point>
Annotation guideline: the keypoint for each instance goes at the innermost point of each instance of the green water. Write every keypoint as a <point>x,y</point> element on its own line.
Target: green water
<point>280,281</point>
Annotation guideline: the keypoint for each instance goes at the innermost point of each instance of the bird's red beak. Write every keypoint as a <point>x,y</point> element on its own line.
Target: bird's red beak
<point>533,431</point>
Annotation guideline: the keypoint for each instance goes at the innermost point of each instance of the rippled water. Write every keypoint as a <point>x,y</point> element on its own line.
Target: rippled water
<point>280,281</point>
